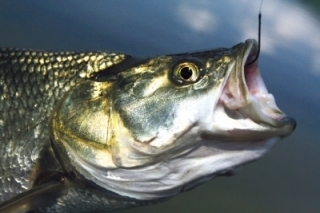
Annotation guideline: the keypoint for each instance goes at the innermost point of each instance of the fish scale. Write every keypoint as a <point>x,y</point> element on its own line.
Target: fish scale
<point>33,82</point>
<point>99,131</point>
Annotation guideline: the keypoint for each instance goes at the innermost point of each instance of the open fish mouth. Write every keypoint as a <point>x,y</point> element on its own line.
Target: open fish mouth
<point>247,109</point>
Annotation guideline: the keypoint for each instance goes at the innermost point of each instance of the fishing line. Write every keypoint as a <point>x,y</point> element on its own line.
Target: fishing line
<point>259,36</point>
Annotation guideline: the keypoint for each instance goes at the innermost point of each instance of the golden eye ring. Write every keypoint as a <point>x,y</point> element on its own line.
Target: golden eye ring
<point>187,72</point>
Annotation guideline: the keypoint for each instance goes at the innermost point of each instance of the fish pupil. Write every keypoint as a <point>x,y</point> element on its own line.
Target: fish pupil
<point>186,73</point>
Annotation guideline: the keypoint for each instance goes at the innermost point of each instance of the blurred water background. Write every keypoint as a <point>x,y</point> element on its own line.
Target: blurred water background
<point>288,178</point>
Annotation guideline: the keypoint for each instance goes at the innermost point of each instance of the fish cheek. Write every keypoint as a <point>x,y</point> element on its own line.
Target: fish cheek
<point>144,117</point>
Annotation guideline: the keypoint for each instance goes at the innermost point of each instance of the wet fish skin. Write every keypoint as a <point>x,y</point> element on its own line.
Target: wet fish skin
<point>32,82</point>
<point>78,133</point>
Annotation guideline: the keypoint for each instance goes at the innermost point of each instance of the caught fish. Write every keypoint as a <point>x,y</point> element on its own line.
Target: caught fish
<point>99,131</point>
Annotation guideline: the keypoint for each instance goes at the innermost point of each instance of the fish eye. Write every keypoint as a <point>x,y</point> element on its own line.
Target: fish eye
<point>187,72</point>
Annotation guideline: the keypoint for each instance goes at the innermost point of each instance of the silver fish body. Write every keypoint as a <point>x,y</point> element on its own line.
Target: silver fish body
<point>98,131</point>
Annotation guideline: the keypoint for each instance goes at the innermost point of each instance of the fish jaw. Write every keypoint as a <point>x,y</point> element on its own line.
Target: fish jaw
<point>245,110</point>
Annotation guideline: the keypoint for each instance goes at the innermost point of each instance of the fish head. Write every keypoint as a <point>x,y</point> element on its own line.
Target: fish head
<point>163,125</point>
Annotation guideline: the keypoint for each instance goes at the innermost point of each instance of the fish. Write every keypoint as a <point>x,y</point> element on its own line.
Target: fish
<point>99,131</point>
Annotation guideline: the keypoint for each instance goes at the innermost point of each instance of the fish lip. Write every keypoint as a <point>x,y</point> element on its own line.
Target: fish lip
<point>245,93</point>
<point>251,51</point>
<point>250,60</point>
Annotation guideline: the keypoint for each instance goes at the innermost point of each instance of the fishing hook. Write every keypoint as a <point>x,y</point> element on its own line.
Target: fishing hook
<point>259,38</point>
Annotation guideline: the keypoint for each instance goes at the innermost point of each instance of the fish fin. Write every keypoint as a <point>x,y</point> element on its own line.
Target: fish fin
<point>39,196</point>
